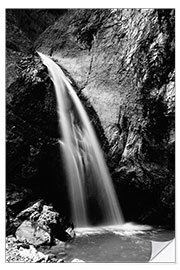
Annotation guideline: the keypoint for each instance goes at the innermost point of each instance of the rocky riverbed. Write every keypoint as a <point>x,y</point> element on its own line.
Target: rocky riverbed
<point>36,227</point>
<point>20,252</point>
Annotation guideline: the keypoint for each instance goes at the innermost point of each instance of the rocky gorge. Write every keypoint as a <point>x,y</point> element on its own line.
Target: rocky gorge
<point>121,63</point>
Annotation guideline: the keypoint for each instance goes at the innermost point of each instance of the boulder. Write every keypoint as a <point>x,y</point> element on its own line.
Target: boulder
<point>27,232</point>
<point>36,208</point>
<point>70,232</point>
<point>43,226</point>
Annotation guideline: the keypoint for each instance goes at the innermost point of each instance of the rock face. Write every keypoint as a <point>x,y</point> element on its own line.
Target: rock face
<point>124,61</point>
<point>29,139</point>
<point>34,162</point>
<point>22,27</point>
<point>33,21</point>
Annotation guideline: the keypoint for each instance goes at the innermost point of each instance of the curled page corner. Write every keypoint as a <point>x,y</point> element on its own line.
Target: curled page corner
<point>163,252</point>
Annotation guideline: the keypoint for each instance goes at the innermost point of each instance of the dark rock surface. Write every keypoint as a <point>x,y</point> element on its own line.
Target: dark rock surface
<point>22,27</point>
<point>34,163</point>
<point>30,137</point>
<point>124,61</point>
<point>33,22</point>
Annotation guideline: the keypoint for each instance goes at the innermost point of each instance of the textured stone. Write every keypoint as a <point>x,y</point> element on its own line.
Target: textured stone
<point>27,233</point>
<point>35,208</point>
<point>77,261</point>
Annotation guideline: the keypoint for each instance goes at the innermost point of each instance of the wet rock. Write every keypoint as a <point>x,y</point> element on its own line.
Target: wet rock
<point>51,258</point>
<point>60,261</point>
<point>70,232</point>
<point>77,260</point>
<point>66,230</point>
<point>32,234</point>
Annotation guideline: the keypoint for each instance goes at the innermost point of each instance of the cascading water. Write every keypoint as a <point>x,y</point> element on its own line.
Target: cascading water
<point>90,185</point>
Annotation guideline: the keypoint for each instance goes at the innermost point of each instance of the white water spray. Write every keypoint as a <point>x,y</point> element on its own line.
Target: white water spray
<point>87,173</point>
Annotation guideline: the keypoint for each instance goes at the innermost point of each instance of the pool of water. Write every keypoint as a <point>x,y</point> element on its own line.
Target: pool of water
<point>126,243</point>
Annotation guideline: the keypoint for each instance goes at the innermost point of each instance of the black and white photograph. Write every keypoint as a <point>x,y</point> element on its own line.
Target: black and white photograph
<point>90,135</point>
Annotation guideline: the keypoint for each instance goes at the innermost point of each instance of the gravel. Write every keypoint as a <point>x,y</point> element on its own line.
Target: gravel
<point>19,252</point>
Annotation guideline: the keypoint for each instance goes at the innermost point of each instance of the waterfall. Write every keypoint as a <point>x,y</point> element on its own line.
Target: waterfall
<point>90,187</point>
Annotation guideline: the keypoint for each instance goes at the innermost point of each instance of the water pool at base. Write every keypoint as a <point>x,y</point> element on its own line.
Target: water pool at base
<point>125,243</point>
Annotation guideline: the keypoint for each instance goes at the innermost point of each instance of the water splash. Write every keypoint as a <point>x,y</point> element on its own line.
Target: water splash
<point>126,229</point>
<point>90,185</point>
